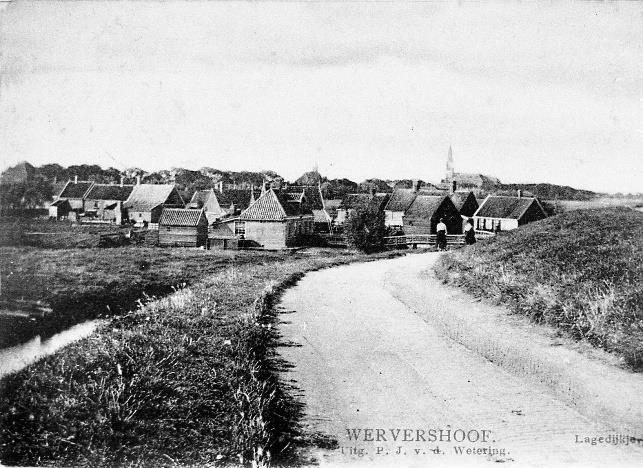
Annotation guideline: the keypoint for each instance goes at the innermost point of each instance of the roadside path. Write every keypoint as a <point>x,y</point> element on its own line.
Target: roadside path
<point>368,361</point>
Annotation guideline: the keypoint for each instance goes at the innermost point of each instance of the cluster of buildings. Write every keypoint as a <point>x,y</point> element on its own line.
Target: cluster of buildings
<point>276,217</point>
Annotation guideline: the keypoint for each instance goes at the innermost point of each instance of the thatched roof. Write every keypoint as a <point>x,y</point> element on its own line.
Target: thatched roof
<point>495,206</point>
<point>401,199</point>
<point>76,189</point>
<point>145,197</point>
<point>425,206</point>
<point>110,192</point>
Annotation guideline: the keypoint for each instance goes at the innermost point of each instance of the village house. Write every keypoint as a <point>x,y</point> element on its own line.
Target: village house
<point>425,213</point>
<point>208,201</point>
<point>399,202</point>
<point>273,221</point>
<point>503,213</point>
<point>104,202</point>
<point>146,202</point>
<point>75,192</point>
<point>183,227</point>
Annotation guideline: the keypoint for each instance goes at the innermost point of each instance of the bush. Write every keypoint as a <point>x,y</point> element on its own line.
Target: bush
<point>365,230</point>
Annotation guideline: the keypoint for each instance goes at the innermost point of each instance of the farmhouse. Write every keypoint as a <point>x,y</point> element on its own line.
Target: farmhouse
<point>208,201</point>
<point>146,202</point>
<point>272,222</point>
<point>425,212</point>
<point>503,213</point>
<point>75,192</point>
<point>105,202</point>
<point>180,227</point>
<point>400,201</point>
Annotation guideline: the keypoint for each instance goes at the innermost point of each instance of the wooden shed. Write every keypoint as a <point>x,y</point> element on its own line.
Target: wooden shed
<point>181,227</point>
<point>59,209</point>
<point>425,213</point>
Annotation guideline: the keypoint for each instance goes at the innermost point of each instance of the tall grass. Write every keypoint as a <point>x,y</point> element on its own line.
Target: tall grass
<point>581,271</point>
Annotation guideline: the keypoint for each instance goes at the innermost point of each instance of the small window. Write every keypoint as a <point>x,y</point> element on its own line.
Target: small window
<point>239,228</point>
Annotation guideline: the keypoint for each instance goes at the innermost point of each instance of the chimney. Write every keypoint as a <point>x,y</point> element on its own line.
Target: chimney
<point>138,180</point>
<point>519,193</point>
<point>454,187</point>
<point>415,185</point>
<point>75,179</point>
<point>122,180</point>
<point>220,186</point>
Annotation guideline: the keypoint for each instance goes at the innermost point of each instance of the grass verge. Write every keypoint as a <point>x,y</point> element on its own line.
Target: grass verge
<point>581,271</point>
<point>188,379</point>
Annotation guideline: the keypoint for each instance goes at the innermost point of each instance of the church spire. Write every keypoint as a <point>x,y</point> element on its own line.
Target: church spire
<point>450,173</point>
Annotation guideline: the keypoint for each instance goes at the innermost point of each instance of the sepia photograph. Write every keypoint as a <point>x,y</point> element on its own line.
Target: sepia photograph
<point>321,233</point>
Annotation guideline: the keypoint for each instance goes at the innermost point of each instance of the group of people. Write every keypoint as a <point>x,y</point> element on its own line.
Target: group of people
<point>441,234</point>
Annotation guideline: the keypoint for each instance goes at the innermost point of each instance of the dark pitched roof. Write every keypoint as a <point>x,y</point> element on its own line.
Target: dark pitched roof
<point>313,195</point>
<point>180,217</point>
<point>271,206</point>
<point>504,207</point>
<point>110,192</point>
<point>76,190</point>
<point>401,199</point>
<point>424,206</point>
<point>144,197</point>
<point>355,200</point>
<point>240,198</point>
<point>459,198</point>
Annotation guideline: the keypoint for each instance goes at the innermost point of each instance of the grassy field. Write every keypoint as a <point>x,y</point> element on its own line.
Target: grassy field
<point>82,284</point>
<point>188,379</point>
<point>49,234</point>
<point>581,271</point>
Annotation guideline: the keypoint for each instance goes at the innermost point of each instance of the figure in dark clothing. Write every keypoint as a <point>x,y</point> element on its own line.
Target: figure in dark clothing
<point>469,233</point>
<point>441,235</point>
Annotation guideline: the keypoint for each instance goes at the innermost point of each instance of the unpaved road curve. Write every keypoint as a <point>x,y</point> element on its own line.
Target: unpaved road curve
<point>368,361</point>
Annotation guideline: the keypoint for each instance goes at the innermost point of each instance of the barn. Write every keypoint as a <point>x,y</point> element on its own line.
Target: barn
<point>105,201</point>
<point>75,192</point>
<point>425,212</point>
<point>274,221</point>
<point>181,227</point>
<point>146,202</point>
<point>504,213</point>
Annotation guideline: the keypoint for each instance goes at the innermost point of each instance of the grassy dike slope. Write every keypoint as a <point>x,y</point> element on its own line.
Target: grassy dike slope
<point>581,271</point>
<point>184,380</point>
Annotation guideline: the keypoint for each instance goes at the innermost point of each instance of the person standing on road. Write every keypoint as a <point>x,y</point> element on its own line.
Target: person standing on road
<point>469,232</point>
<point>441,237</point>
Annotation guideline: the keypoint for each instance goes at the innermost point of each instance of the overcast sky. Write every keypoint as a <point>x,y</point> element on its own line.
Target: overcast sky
<point>528,92</point>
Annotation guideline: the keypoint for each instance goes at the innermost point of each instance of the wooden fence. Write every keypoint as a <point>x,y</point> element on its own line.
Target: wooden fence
<point>423,239</point>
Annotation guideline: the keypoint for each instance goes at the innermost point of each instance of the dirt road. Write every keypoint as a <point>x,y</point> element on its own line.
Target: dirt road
<point>393,390</point>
